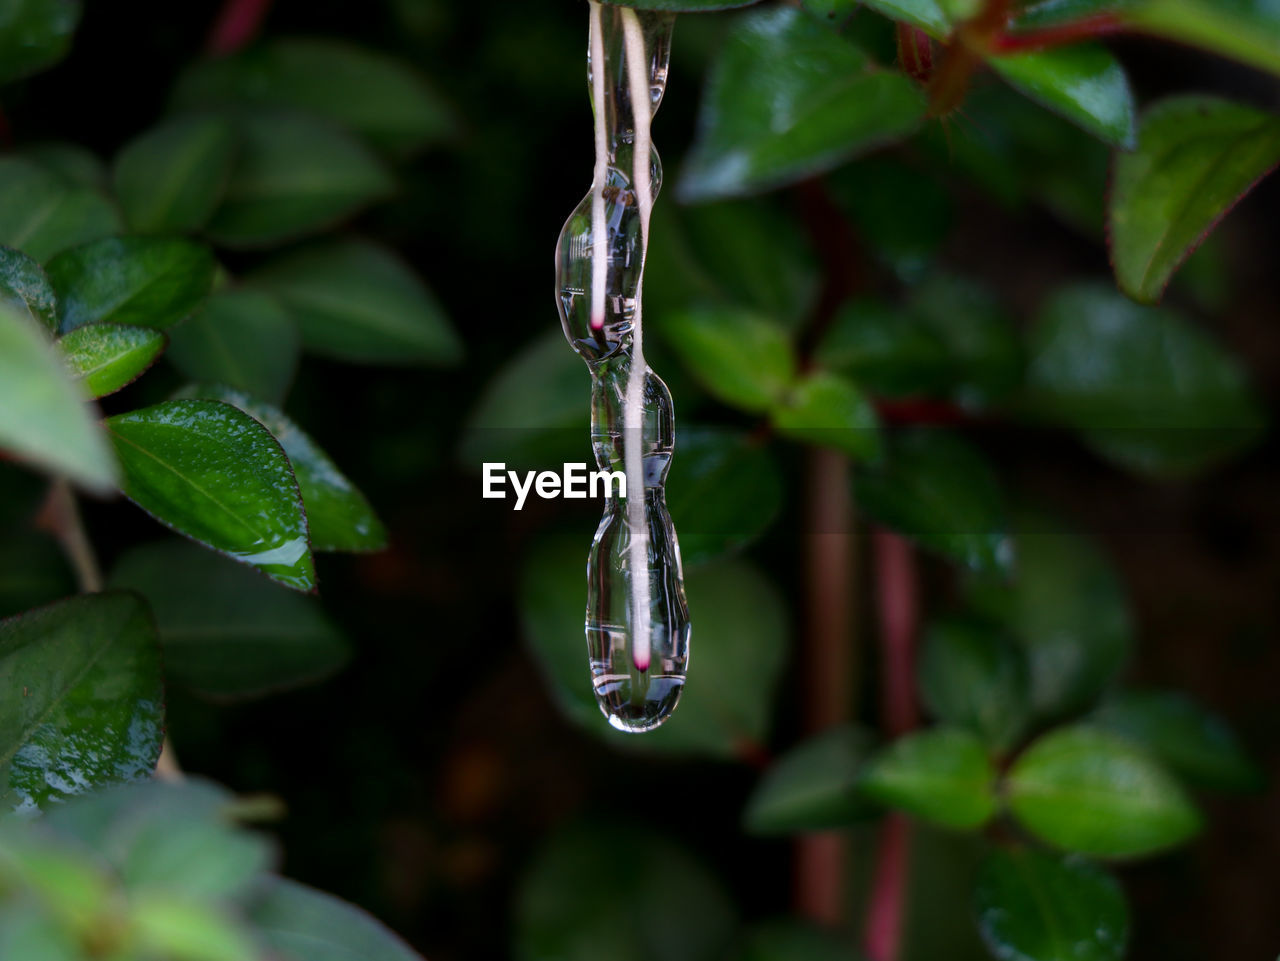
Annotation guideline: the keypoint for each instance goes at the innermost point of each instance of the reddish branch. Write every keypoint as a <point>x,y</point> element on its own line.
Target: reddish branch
<point>915,53</point>
<point>1089,28</point>
<point>237,25</point>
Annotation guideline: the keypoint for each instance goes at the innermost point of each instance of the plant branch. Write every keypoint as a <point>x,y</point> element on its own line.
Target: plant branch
<point>237,25</point>
<point>1089,28</point>
<point>61,517</point>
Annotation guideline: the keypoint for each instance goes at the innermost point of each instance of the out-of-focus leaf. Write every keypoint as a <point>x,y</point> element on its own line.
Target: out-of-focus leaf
<point>937,490</point>
<point>739,357</point>
<point>303,923</point>
<point>73,163</point>
<point>44,214</point>
<point>43,415</point>
<point>888,351</point>
<point>106,357</point>
<point>1145,388</point>
<point>1083,789</point>
<point>830,11</point>
<point>213,473</point>
<point>367,91</point>
<point>723,492</point>
<point>170,925</point>
<point>144,281</point>
<point>338,516</point>
<point>1067,607</point>
<point>929,15</point>
<point>359,302</point>
<point>972,675</point>
<point>82,704</point>
<point>568,909</point>
<point>814,786</point>
<point>942,775</point>
<point>35,936</point>
<point>226,631</point>
<point>33,572</point>
<point>1083,83</point>
<point>677,6</point>
<point>1032,906</point>
<point>241,338</point>
<point>1197,157</point>
<point>25,288</point>
<point>828,410</point>
<point>34,35</point>
<point>787,99</point>
<point>293,176</point>
<point>793,941</point>
<point>1246,30</point>
<point>171,178</point>
<point>1043,14</point>
<point>1192,742</point>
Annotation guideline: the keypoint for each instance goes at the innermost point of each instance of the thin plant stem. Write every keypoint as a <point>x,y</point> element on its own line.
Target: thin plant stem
<point>61,516</point>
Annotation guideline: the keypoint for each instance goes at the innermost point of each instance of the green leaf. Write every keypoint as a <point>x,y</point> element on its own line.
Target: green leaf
<point>227,632</point>
<point>34,35</point>
<point>73,163</point>
<point>106,357</point>
<point>813,787</point>
<point>678,6</point>
<point>43,415</point>
<point>34,936</point>
<point>25,288</point>
<point>1086,790</point>
<point>1032,906</point>
<point>889,352</point>
<point>33,571</point>
<point>571,906</point>
<point>366,91</point>
<point>81,703</point>
<point>241,338</point>
<point>1189,740</point>
<point>939,491</point>
<point>169,925</point>
<point>44,214</point>
<point>739,357</point>
<point>145,281</point>
<point>307,924</point>
<point>724,490</point>
<point>1067,608</point>
<point>359,302</point>
<point>1045,14</point>
<point>214,474</point>
<point>1246,30</point>
<point>1083,83</point>
<point>338,516</point>
<point>294,176</point>
<point>1196,159</point>
<point>171,178</point>
<point>942,775</point>
<point>929,15</point>
<point>793,941</point>
<point>830,411</point>
<point>973,676</point>
<point>1145,388</point>
<point>787,99</point>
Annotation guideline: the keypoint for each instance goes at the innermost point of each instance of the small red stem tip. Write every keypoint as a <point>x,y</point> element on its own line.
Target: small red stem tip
<point>237,25</point>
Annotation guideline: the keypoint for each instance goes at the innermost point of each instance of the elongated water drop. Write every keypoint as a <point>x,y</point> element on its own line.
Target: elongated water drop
<point>637,621</point>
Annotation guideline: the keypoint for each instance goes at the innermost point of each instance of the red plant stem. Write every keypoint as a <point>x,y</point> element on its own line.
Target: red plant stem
<point>898,607</point>
<point>237,25</point>
<point>1067,33</point>
<point>924,411</point>
<point>915,53</point>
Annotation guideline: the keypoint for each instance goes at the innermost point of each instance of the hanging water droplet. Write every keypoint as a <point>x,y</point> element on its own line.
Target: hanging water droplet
<point>637,622</point>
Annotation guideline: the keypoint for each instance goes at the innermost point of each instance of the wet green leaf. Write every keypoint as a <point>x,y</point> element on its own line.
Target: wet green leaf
<point>723,492</point>
<point>293,177</point>
<point>828,410</point>
<point>941,775</point>
<point>43,415</point>
<point>171,178</point>
<point>1083,789</point>
<point>106,357</point>
<point>929,15</point>
<point>1032,906</point>
<point>34,35</point>
<point>144,281</point>
<point>241,338</point>
<point>25,288</point>
<point>33,571</point>
<point>739,357</point>
<point>813,787</point>
<point>1083,83</point>
<point>44,214</point>
<point>972,675</point>
<point>304,923</point>
<point>338,516</point>
<point>887,350</point>
<point>366,91</point>
<point>227,632</point>
<point>216,475</point>
<point>794,941</point>
<point>81,704</point>
<point>1144,387</point>
<point>568,909</point>
<point>1191,741</point>
<point>359,302</point>
<point>787,99</point>
<point>940,492</point>
<point>1246,30</point>
<point>1197,157</point>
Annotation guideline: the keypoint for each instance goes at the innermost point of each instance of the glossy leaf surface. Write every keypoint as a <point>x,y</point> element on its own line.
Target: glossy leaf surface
<point>942,775</point>
<point>740,357</point>
<point>106,357</point>
<point>1083,83</point>
<point>25,288</point>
